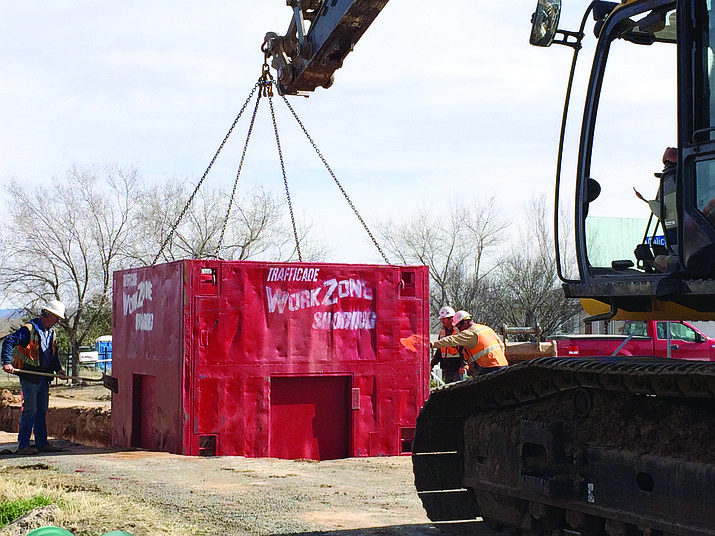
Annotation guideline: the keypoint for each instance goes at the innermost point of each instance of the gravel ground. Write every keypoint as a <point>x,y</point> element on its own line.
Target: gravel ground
<point>229,495</point>
<point>248,496</point>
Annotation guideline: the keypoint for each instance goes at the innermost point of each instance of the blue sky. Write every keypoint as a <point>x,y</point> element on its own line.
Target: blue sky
<point>438,101</point>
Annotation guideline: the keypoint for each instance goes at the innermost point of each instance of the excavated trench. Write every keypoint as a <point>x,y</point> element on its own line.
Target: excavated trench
<point>71,416</point>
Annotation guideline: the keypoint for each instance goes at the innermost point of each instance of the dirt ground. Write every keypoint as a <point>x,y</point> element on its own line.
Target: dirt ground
<point>78,413</point>
<point>99,489</point>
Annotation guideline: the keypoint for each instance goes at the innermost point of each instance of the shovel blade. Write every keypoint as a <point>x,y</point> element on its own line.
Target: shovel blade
<point>111,383</point>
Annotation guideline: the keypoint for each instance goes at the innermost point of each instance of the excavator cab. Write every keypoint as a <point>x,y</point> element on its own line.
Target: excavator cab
<point>651,85</point>
<point>606,445</point>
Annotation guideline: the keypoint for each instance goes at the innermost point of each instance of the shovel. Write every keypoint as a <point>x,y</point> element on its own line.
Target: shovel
<point>109,382</point>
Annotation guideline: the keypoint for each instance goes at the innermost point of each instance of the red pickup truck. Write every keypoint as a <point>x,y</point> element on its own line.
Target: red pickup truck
<point>642,339</point>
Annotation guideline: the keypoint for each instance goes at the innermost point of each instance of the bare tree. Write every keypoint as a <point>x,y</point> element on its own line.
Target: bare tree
<point>63,242</point>
<point>255,228</point>
<point>451,242</point>
<point>526,289</point>
<point>10,320</point>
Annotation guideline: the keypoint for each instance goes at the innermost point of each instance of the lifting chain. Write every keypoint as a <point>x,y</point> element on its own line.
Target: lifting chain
<point>191,198</point>
<point>345,195</point>
<point>285,180</point>
<point>268,92</point>
<point>264,86</point>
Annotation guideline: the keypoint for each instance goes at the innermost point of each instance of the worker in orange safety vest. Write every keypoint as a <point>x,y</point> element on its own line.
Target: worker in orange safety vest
<point>483,349</point>
<point>32,349</point>
<point>448,358</point>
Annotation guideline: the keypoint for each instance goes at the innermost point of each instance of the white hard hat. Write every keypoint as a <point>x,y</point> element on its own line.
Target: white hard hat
<point>55,307</point>
<point>459,316</point>
<point>446,312</point>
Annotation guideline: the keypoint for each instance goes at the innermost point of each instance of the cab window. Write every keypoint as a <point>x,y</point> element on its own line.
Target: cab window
<point>636,329</point>
<point>704,105</point>
<point>639,81</point>
<point>678,331</point>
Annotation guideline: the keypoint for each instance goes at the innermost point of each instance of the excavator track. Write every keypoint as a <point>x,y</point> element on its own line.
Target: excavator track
<point>597,446</point>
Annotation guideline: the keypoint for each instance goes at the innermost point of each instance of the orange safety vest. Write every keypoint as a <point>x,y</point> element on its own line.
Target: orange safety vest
<point>488,351</point>
<point>449,351</point>
<point>30,354</point>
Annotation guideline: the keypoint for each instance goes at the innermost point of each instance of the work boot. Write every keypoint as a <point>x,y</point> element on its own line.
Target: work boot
<point>49,448</point>
<point>27,451</point>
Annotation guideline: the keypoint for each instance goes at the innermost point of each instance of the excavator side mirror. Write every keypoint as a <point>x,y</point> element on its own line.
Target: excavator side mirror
<point>544,22</point>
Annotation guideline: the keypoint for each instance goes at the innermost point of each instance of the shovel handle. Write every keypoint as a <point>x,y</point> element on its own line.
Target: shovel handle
<point>49,375</point>
<point>108,382</point>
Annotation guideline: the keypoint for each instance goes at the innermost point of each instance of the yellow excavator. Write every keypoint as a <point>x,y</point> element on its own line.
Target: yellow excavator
<point>586,446</point>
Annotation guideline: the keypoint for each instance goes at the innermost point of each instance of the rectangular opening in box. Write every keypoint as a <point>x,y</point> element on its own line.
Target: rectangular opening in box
<point>144,409</point>
<point>208,281</point>
<point>207,445</point>
<point>408,287</point>
<point>407,435</point>
<point>310,417</point>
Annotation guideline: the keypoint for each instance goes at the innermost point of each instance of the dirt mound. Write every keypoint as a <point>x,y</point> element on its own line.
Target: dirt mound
<point>83,424</point>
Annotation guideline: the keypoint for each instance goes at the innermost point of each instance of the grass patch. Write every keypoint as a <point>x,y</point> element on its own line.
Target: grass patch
<point>83,509</point>
<point>11,510</point>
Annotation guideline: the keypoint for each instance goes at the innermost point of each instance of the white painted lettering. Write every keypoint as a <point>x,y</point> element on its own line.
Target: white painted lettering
<point>286,274</point>
<point>328,294</point>
<point>331,284</point>
<point>304,299</point>
<point>343,288</point>
<point>294,302</point>
<point>132,302</point>
<point>144,322</point>
<point>279,300</point>
<point>314,302</point>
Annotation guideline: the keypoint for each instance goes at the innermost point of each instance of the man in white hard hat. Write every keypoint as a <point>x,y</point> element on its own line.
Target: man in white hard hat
<point>449,358</point>
<point>483,349</point>
<point>32,349</point>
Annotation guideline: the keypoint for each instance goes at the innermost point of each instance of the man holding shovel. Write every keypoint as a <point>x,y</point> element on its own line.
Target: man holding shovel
<point>31,352</point>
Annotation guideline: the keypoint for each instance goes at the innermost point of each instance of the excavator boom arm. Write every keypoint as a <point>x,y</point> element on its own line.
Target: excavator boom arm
<point>307,59</point>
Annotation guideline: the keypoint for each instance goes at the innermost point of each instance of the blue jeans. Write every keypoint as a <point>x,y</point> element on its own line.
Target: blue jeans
<point>35,399</point>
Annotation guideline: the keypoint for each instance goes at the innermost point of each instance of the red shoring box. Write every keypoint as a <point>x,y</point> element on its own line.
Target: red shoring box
<point>287,360</point>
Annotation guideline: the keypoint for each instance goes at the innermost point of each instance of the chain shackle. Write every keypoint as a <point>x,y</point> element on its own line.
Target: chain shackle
<point>266,76</point>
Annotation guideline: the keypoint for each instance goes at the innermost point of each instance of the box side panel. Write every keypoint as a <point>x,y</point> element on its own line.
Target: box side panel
<point>265,323</point>
<point>148,347</point>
